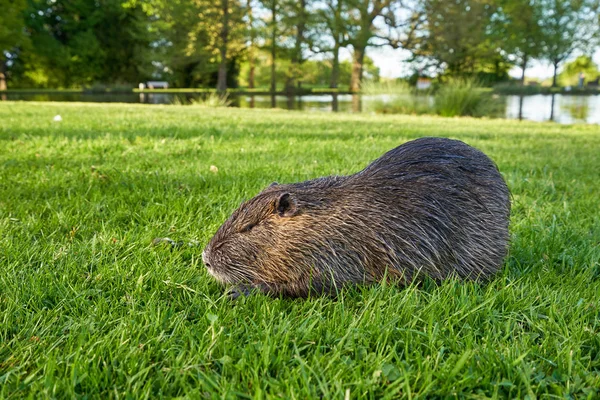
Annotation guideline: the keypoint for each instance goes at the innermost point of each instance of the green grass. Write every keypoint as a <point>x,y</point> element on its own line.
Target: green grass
<point>89,308</point>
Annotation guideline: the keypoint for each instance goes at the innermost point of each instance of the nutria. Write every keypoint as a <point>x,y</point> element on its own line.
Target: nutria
<point>431,207</point>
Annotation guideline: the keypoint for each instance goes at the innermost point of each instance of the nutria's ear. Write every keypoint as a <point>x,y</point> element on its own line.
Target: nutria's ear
<point>286,205</point>
<point>273,184</point>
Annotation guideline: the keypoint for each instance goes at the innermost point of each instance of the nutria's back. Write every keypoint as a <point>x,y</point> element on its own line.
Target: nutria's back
<point>432,206</point>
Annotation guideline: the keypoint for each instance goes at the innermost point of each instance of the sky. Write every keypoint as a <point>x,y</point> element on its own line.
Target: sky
<point>391,64</point>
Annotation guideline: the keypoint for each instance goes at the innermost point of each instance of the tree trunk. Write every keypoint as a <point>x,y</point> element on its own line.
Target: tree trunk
<point>296,59</point>
<point>521,107</point>
<point>222,80</point>
<point>335,68</point>
<point>356,103</point>
<point>338,37</point>
<point>224,35</point>
<point>555,63</point>
<point>2,73</point>
<point>334,103</point>
<point>251,58</point>
<point>273,49</point>
<point>524,67</point>
<point>251,72</point>
<point>358,57</point>
<point>289,79</point>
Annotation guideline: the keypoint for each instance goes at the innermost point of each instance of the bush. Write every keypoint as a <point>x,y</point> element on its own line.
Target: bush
<point>463,97</point>
<point>394,87</point>
<point>404,104</point>
<point>212,100</point>
<point>458,97</point>
<point>395,97</point>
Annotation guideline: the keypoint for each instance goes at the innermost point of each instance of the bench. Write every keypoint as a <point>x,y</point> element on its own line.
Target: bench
<point>155,85</point>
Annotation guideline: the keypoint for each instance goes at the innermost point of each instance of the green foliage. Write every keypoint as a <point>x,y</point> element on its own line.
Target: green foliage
<point>77,43</point>
<point>395,97</point>
<point>184,57</point>
<point>213,100</point>
<point>568,25</point>
<point>222,32</point>
<point>12,35</point>
<point>517,29</point>
<point>570,73</point>
<point>458,38</point>
<point>508,88</point>
<point>89,308</point>
<point>389,86</point>
<point>456,97</point>
<point>404,104</point>
<point>462,97</point>
<point>11,25</point>
<point>310,73</point>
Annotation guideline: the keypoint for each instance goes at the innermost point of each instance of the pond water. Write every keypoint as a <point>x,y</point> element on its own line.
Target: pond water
<point>564,109</point>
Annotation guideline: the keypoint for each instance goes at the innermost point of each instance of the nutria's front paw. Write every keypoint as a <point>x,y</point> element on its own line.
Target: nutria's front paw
<point>241,290</point>
<point>246,290</point>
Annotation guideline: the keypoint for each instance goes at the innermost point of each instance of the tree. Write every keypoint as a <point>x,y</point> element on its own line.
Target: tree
<point>199,41</point>
<point>251,50</point>
<point>518,23</point>
<point>12,34</point>
<point>274,8</point>
<point>181,53</point>
<point>223,44</point>
<point>364,13</point>
<point>567,25</point>
<point>228,34</point>
<point>333,17</point>
<point>458,38</point>
<point>397,25</point>
<point>296,21</point>
<point>270,36</point>
<point>219,30</point>
<point>78,42</point>
<point>316,72</point>
<point>570,73</point>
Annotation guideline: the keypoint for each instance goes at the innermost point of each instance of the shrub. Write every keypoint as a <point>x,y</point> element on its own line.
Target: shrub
<point>393,87</point>
<point>461,97</point>
<point>395,97</point>
<point>458,97</point>
<point>404,104</point>
<point>212,100</point>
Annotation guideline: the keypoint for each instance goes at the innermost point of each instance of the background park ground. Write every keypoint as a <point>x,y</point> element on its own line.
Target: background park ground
<point>88,307</point>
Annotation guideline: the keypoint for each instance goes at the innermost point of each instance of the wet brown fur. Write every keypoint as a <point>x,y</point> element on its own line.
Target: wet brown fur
<point>432,206</point>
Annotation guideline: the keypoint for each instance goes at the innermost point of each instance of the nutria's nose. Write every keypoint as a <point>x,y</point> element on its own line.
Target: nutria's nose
<point>205,259</point>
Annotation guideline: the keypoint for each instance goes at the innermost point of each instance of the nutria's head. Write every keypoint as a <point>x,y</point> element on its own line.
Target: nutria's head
<point>250,246</point>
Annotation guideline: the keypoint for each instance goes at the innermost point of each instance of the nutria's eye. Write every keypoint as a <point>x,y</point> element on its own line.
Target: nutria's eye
<point>247,228</point>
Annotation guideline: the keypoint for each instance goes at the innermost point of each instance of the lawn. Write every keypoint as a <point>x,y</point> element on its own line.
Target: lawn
<point>89,307</point>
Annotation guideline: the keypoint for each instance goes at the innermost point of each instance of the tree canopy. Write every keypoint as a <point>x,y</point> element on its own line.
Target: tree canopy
<point>281,43</point>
